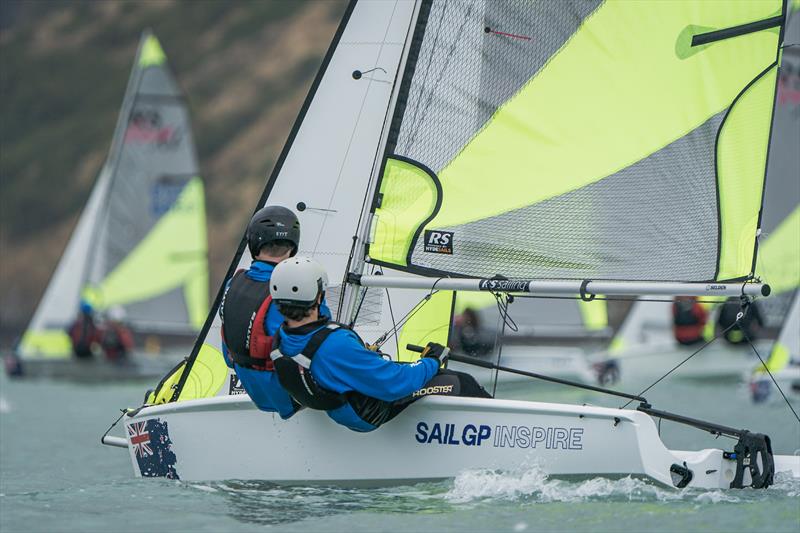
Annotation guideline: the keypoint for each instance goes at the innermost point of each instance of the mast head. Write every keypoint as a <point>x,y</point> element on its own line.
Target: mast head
<point>272,223</point>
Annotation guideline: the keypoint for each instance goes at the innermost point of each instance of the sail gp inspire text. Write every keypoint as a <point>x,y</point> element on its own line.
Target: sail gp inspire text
<point>550,438</point>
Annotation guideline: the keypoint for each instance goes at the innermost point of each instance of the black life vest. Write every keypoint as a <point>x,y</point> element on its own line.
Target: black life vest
<point>243,310</point>
<point>295,376</point>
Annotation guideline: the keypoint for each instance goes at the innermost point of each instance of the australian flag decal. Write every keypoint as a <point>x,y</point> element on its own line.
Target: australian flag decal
<point>153,448</point>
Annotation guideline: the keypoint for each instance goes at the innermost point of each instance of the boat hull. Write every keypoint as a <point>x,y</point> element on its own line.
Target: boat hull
<point>136,367</point>
<point>436,438</point>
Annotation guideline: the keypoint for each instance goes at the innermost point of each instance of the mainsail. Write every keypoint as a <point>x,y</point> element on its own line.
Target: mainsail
<point>564,140</point>
<point>571,141</point>
<point>140,243</point>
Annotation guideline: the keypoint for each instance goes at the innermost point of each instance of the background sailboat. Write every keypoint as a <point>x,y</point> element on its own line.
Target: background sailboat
<point>140,243</point>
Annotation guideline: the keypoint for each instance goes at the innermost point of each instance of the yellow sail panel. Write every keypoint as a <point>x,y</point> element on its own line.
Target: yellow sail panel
<point>151,53</point>
<point>51,343</point>
<point>429,322</point>
<point>741,162</point>
<point>594,314</point>
<point>408,197</point>
<point>207,375</point>
<point>172,255</point>
<point>779,255</point>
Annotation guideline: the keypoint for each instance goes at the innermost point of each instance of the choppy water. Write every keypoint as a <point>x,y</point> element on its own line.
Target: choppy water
<point>55,476</point>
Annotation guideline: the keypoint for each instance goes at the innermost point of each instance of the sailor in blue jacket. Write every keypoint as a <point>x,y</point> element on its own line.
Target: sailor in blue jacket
<point>326,366</point>
<point>273,235</point>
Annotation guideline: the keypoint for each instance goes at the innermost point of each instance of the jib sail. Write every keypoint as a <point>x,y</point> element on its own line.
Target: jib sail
<point>323,174</point>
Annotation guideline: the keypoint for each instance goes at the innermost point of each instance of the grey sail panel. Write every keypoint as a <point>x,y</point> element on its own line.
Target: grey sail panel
<point>585,234</point>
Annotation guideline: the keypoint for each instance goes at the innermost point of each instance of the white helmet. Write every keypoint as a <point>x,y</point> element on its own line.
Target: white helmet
<point>116,313</point>
<point>298,281</point>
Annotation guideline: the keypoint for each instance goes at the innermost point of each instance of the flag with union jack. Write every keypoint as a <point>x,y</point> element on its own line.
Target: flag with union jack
<point>152,448</point>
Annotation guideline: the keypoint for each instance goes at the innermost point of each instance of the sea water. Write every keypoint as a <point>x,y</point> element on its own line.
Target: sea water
<point>56,476</point>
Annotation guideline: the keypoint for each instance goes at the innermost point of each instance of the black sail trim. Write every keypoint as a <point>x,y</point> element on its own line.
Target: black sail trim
<point>265,194</point>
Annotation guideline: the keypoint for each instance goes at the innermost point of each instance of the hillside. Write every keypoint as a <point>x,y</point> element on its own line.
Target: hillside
<point>244,65</point>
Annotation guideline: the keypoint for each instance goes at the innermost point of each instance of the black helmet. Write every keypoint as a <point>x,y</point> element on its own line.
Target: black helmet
<point>272,223</point>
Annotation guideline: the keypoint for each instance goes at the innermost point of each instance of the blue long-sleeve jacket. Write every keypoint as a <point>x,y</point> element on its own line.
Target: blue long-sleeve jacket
<point>263,387</point>
<point>342,364</point>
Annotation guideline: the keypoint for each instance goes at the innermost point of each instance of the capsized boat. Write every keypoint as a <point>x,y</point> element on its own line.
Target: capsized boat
<point>552,149</point>
<point>140,243</point>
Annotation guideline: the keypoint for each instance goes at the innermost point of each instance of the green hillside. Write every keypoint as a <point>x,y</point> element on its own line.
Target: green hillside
<point>245,66</point>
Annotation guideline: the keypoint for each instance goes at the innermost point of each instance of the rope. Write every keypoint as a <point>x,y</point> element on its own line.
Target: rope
<point>659,380</point>
<point>503,307</point>
<point>122,413</point>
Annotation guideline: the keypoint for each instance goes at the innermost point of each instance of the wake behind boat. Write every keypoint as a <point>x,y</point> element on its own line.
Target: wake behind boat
<point>445,140</point>
<point>139,249</point>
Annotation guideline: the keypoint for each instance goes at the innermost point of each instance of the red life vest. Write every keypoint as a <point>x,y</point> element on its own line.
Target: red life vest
<point>243,311</point>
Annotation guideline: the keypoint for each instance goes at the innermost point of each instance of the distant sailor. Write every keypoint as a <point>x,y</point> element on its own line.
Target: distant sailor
<point>325,365</point>
<point>689,320</point>
<point>84,333</point>
<point>115,338</point>
<point>249,321</point>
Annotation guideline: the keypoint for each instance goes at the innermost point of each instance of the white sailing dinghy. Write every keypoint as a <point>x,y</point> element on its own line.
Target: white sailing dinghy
<point>140,243</point>
<point>443,143</point>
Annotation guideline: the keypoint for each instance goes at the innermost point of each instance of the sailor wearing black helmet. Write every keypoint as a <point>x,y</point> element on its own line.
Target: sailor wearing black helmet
<point>249,321</point>
<point>326,366</point>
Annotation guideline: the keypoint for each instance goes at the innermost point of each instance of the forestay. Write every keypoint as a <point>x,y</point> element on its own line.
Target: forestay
<point>140,243</point>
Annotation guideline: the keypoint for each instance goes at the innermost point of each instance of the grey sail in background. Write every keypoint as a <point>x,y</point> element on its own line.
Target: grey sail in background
<point>140,243</point>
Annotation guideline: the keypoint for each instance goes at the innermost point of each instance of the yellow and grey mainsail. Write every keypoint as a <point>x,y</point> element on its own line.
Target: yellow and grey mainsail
<point>536,140</point>
<point>580,140</point>
<point>141,241</point>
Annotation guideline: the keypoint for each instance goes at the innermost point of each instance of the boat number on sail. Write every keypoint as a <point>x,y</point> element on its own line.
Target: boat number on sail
<point>439,242</point>
<point>550,438</point>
